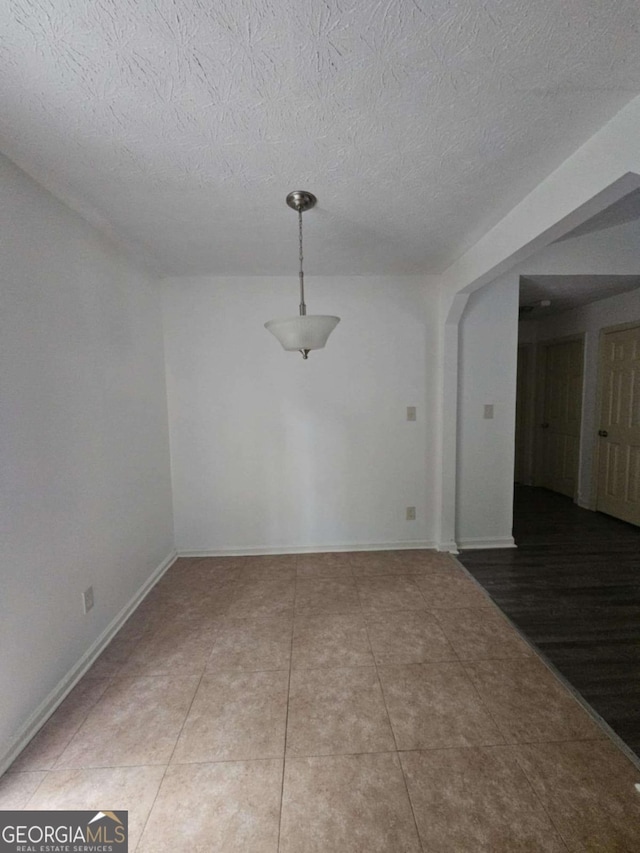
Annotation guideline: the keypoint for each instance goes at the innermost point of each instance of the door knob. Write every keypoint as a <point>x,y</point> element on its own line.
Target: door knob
<point>603,433</point>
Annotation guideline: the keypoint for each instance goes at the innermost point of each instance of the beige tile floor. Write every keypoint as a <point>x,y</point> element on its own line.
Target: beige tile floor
<point>332,703</point>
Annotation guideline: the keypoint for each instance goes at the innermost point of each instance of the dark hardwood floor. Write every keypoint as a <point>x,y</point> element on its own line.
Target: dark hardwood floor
<point>572,586</point>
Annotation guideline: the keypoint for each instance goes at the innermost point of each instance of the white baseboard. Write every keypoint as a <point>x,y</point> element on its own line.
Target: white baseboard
<point>584,503</point>
<point>69,681</point>
<point>505,542</point>
<point>305,549</point>
<point>450,546</point>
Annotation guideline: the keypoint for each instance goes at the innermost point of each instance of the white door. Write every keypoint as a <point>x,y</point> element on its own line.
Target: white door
<point>619,433</point>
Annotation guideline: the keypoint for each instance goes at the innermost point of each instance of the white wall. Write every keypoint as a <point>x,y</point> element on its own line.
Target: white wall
<point>270,452</point>
<point>85,485</point>
<point>488,367</point>
<point>588,320</point>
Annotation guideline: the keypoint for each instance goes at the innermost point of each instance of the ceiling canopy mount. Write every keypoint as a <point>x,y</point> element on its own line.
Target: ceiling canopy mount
<point>301,200</point>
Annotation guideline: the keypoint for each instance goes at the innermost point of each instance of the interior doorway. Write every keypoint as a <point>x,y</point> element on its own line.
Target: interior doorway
<point>560,378</point>
<point>524,415</point>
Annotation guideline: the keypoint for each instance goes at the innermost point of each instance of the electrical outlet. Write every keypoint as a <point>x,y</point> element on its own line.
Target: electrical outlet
<point>488,411</point>
<point>411,513</point>
<point>411,413</point>
<point>87,599</point>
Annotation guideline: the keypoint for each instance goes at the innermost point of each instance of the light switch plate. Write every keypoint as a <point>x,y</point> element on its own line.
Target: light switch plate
<point>87,599</point>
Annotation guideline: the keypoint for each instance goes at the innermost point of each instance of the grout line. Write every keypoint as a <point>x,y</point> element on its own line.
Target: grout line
<point>482,702</point>
<point>511,745</point>
<point>395,740</point>
<point>559,832</point>
<point>38,786</point>
<point>286,721</point>
<point>167,765</point>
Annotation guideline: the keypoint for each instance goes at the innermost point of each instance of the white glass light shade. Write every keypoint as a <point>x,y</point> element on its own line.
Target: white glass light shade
<point>303,333</point>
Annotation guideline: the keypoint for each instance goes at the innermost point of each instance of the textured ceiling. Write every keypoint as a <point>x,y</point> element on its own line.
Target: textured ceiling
<point>180,125</point>
<point>571,291</point>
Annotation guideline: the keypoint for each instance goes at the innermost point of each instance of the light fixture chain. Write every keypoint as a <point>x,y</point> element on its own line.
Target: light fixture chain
<point>303,307</point>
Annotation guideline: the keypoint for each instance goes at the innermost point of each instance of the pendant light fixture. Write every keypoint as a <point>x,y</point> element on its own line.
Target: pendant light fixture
<point>307,331</point>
